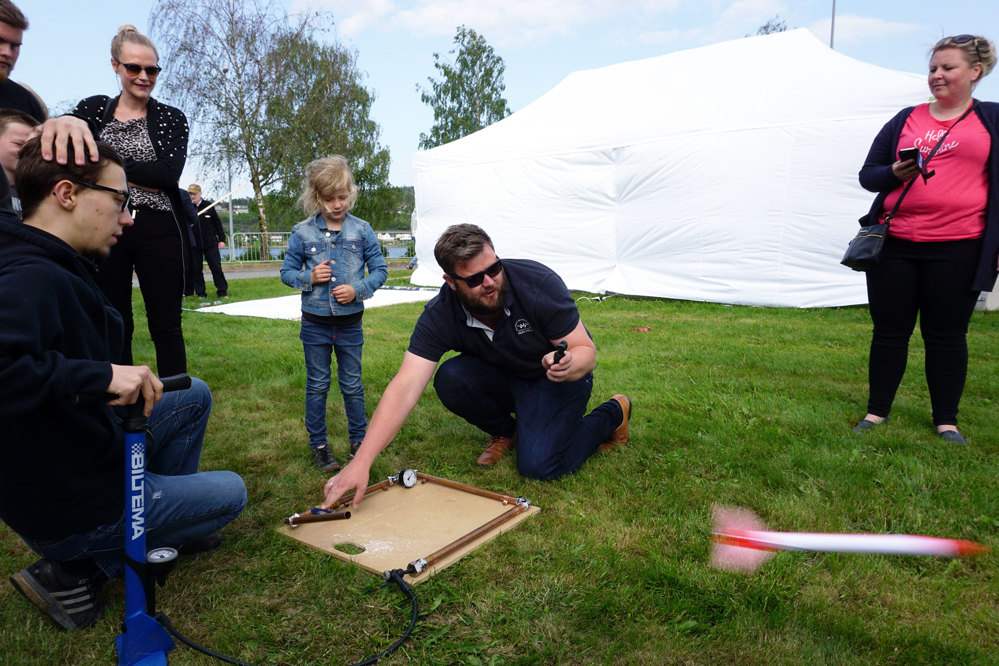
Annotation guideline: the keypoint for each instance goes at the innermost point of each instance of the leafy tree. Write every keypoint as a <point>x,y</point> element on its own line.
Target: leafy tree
<point>776,24</point>
<point>469,94</point>
<point>260,88</point>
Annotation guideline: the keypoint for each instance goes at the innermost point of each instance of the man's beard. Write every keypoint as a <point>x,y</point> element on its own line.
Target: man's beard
<point>476,307</point>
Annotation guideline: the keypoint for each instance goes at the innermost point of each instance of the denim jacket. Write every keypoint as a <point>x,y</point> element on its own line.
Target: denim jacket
<point>348,251</point>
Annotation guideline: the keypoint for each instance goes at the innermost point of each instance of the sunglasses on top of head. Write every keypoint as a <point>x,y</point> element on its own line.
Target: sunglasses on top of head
<point>127,194</point>
<point>475,279</point>
<point>964,39</point>
<point>151,70</point>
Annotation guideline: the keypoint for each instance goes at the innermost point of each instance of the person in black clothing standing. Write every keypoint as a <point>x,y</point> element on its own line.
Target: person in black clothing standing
<point>189,213</point>
<point>13,95</point>
<point>152,137</point>
<point>210,239</point>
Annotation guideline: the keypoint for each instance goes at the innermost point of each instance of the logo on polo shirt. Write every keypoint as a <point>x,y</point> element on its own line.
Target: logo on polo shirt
<point>523,326</point>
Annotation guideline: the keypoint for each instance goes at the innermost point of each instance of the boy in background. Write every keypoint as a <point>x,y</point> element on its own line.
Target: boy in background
<point>15,129</point>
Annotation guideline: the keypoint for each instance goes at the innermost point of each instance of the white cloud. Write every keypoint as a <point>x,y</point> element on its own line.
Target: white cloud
<point>351,18</point>
<point>509,23</point>
<point>722,21</point>
<point>656,37</point>
<point>749,13</point>
<point>853,29</point>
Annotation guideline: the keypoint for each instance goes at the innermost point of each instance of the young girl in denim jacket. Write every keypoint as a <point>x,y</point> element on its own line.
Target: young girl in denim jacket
<point>326,258</point>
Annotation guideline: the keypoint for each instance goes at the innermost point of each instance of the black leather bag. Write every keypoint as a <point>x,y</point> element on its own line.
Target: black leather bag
<point>864,251</point>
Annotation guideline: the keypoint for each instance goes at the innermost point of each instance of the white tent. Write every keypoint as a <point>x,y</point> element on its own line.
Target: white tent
<point>726,173</point>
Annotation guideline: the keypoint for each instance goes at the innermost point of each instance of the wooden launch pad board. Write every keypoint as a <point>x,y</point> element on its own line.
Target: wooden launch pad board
<point>396,525</point>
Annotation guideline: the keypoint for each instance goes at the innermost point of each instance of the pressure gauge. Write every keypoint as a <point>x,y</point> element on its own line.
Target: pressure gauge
<point>408,478</point>
<point>161,555</point>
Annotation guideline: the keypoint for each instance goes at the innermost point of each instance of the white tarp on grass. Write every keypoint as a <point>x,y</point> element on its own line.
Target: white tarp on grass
<point>290,307</point>
<point>726,173</point>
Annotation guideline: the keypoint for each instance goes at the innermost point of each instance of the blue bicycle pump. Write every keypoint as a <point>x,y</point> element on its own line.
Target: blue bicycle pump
<point>143,640</point>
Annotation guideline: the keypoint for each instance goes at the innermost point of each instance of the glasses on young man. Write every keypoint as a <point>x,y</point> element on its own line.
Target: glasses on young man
<point>150,70</point>
<point>126,194</point>
<point>475,279</point>
<point>964,39</point>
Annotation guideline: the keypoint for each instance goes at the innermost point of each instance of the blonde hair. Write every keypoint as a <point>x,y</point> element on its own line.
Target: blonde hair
<point>323,179</point>
<point>129,34</point>
<point>976,50</point>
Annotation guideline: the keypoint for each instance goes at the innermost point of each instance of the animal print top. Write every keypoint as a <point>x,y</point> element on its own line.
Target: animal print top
<point>131,139</point>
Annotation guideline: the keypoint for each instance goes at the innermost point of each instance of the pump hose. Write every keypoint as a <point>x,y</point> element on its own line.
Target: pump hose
<point>395,576</point>
<point>162,619</point>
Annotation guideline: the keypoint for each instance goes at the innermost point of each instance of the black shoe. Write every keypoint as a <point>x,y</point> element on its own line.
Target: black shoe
<point>354,446</point>
<point>323,459</point>
<point>70,600</point>
<point>952,436</point>
<point>866,425</point>
<point>205,544</point>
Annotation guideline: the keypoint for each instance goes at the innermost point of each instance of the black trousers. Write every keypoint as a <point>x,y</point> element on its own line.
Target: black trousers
<point>214,259</point>
<point>933,281</point>
<point>153,248</point>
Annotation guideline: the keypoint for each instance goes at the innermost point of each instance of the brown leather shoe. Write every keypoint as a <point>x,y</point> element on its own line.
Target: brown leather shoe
<point>620,435</point>
<point>495,450</point>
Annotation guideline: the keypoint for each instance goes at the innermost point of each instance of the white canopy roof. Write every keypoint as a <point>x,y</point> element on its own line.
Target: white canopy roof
<point>726,173</point>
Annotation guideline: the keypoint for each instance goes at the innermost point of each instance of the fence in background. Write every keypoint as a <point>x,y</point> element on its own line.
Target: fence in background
<point>246,247</point>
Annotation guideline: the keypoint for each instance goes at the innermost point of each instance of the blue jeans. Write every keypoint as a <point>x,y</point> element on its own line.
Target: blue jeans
<point>181,504</point>
<point>553,436</point>
<point>319,342</point>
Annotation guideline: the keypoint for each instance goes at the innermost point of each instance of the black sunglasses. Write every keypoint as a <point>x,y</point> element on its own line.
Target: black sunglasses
<point>151,70</point>
<point>475,279</point>
<point>964,39</point>
<point>93,186</point>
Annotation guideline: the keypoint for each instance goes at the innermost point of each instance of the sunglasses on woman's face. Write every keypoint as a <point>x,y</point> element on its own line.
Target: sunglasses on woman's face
<point>150,70</point>
<point>475,279</point>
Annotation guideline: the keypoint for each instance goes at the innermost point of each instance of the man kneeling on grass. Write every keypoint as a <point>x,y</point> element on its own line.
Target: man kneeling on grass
<point>506,318</point>
<point>62,395</point>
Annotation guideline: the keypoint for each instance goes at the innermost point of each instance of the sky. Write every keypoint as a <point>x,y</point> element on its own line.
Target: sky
<point>66,51</point>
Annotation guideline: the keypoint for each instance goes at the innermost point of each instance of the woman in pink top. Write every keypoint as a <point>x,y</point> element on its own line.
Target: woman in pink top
<point>943,245</point>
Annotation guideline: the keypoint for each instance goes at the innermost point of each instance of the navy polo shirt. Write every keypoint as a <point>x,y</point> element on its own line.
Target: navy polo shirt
<point>541,309</point>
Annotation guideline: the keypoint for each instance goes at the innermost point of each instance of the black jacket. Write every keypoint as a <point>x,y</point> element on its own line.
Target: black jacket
<point>62,465</point>
<point>212,232</point>
<point>168,132</point>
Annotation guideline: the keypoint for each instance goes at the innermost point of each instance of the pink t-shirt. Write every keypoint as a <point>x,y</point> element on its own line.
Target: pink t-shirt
<point>951,204</point>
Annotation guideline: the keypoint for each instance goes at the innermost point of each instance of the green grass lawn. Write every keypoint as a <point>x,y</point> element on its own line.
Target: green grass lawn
<point>737,405</point>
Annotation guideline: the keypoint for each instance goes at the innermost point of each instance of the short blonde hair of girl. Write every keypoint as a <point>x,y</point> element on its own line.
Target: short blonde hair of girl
<point>128,33</point>
<point>324,178</point>
<point>976,50</point>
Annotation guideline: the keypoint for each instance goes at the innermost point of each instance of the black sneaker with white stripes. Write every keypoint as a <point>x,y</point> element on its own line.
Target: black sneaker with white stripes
<point>69,599</point>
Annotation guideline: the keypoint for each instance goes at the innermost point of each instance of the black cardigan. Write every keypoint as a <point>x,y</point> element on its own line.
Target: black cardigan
<point>168,132</point>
